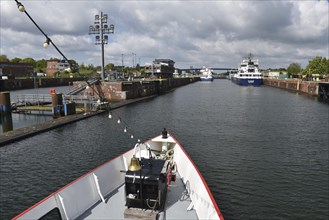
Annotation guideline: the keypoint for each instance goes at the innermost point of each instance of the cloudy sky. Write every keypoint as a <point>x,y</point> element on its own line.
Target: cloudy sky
<point>192,33</point>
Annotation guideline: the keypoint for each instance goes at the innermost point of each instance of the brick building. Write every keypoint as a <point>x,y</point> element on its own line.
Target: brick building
<point>56,66</point>
<point>161,68</point>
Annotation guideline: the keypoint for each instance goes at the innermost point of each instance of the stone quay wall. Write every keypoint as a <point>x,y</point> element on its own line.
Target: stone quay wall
<point>297,85</point>
<point>17,84</point>
<point>118,91</point>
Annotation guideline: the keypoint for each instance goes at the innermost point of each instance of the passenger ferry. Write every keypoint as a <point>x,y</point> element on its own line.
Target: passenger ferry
<point>248,73</point>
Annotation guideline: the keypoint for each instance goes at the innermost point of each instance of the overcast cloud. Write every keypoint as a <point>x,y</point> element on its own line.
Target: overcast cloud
<point>192,33</point>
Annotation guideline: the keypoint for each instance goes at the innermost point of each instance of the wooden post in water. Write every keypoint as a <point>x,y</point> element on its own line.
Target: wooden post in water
<point>5,105</point>
<point>7,122</point>
<point>5,112</point>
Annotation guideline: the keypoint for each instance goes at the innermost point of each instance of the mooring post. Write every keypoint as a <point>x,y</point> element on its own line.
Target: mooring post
<point>57,103</point>
<point>7,122</point>
<point>5,112</point>
<point>5,105</point>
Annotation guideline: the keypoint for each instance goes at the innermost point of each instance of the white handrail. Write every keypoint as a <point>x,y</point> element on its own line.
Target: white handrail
<point>98,189</point>
<point>62,203</point>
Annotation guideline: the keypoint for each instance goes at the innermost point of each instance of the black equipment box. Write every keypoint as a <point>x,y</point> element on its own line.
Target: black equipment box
<point>147,187</point>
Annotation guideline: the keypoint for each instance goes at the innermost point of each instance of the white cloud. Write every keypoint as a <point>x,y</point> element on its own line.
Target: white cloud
<point>193,33</point>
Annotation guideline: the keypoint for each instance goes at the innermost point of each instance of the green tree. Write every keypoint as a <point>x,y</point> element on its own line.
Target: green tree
<point>294,68</point>
<point>126,69</point>
<point>16,60</point>
<point>82,66</point>
<point>74,66</point>
<point>143,73</point>
<point>4,58</point>
<point>29,60</point>
<point>98,68</point>
<point>86,69</point>
<point>91,67</point>
<point>319,65</point>
<point>41,65</point>
<point>109,66</point>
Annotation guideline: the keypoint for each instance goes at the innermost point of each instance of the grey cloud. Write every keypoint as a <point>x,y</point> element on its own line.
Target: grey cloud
<point>195,33</point>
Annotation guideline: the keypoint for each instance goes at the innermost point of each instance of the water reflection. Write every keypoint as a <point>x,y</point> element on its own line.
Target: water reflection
<point>262,151</point>
<point>23,119</point>
<point>6,122</point>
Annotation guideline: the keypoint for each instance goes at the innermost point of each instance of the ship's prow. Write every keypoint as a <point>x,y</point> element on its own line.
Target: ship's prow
<point>154,180</point>
<point>206,74</point>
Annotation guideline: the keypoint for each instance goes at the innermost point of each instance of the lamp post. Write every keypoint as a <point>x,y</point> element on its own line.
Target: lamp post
<point>101,29</point>
<point>123,73</point>
<point>134,57</point>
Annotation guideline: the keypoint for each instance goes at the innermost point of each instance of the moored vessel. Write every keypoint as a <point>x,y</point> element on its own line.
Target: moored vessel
<point>248,73</point>
<point>206,74</point>
<point>154,180</point>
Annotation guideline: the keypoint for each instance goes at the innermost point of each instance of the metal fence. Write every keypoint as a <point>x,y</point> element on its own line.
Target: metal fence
<point>33,98</point>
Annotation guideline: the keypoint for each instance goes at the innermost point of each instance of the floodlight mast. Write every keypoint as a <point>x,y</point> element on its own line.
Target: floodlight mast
<point>101,30</point>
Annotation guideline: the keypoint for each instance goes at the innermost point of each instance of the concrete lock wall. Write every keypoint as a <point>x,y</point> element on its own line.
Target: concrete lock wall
<point>308,87</point>
<point>16,84</point>
<point>116,91</point>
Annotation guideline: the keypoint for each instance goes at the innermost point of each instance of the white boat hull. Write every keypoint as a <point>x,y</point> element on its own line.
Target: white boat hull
<point>248,81</point>
<point>88,191</point>
<point>208,78</point>
<point>248,73</point>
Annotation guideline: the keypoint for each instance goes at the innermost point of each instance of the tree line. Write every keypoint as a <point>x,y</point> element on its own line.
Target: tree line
<point>318,65</point>
<point>89,69</point>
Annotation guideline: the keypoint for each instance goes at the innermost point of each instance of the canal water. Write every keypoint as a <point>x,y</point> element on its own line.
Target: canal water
<point>22,120</point>
<point>263,151</point>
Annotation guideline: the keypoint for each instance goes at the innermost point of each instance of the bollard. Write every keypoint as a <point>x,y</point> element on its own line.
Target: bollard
<point>56,99</point>
<point>57,103</point>
<point>5,105</point>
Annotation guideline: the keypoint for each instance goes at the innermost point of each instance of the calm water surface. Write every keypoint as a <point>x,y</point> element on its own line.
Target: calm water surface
<point>23,120</point>
<point>262,151</point>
